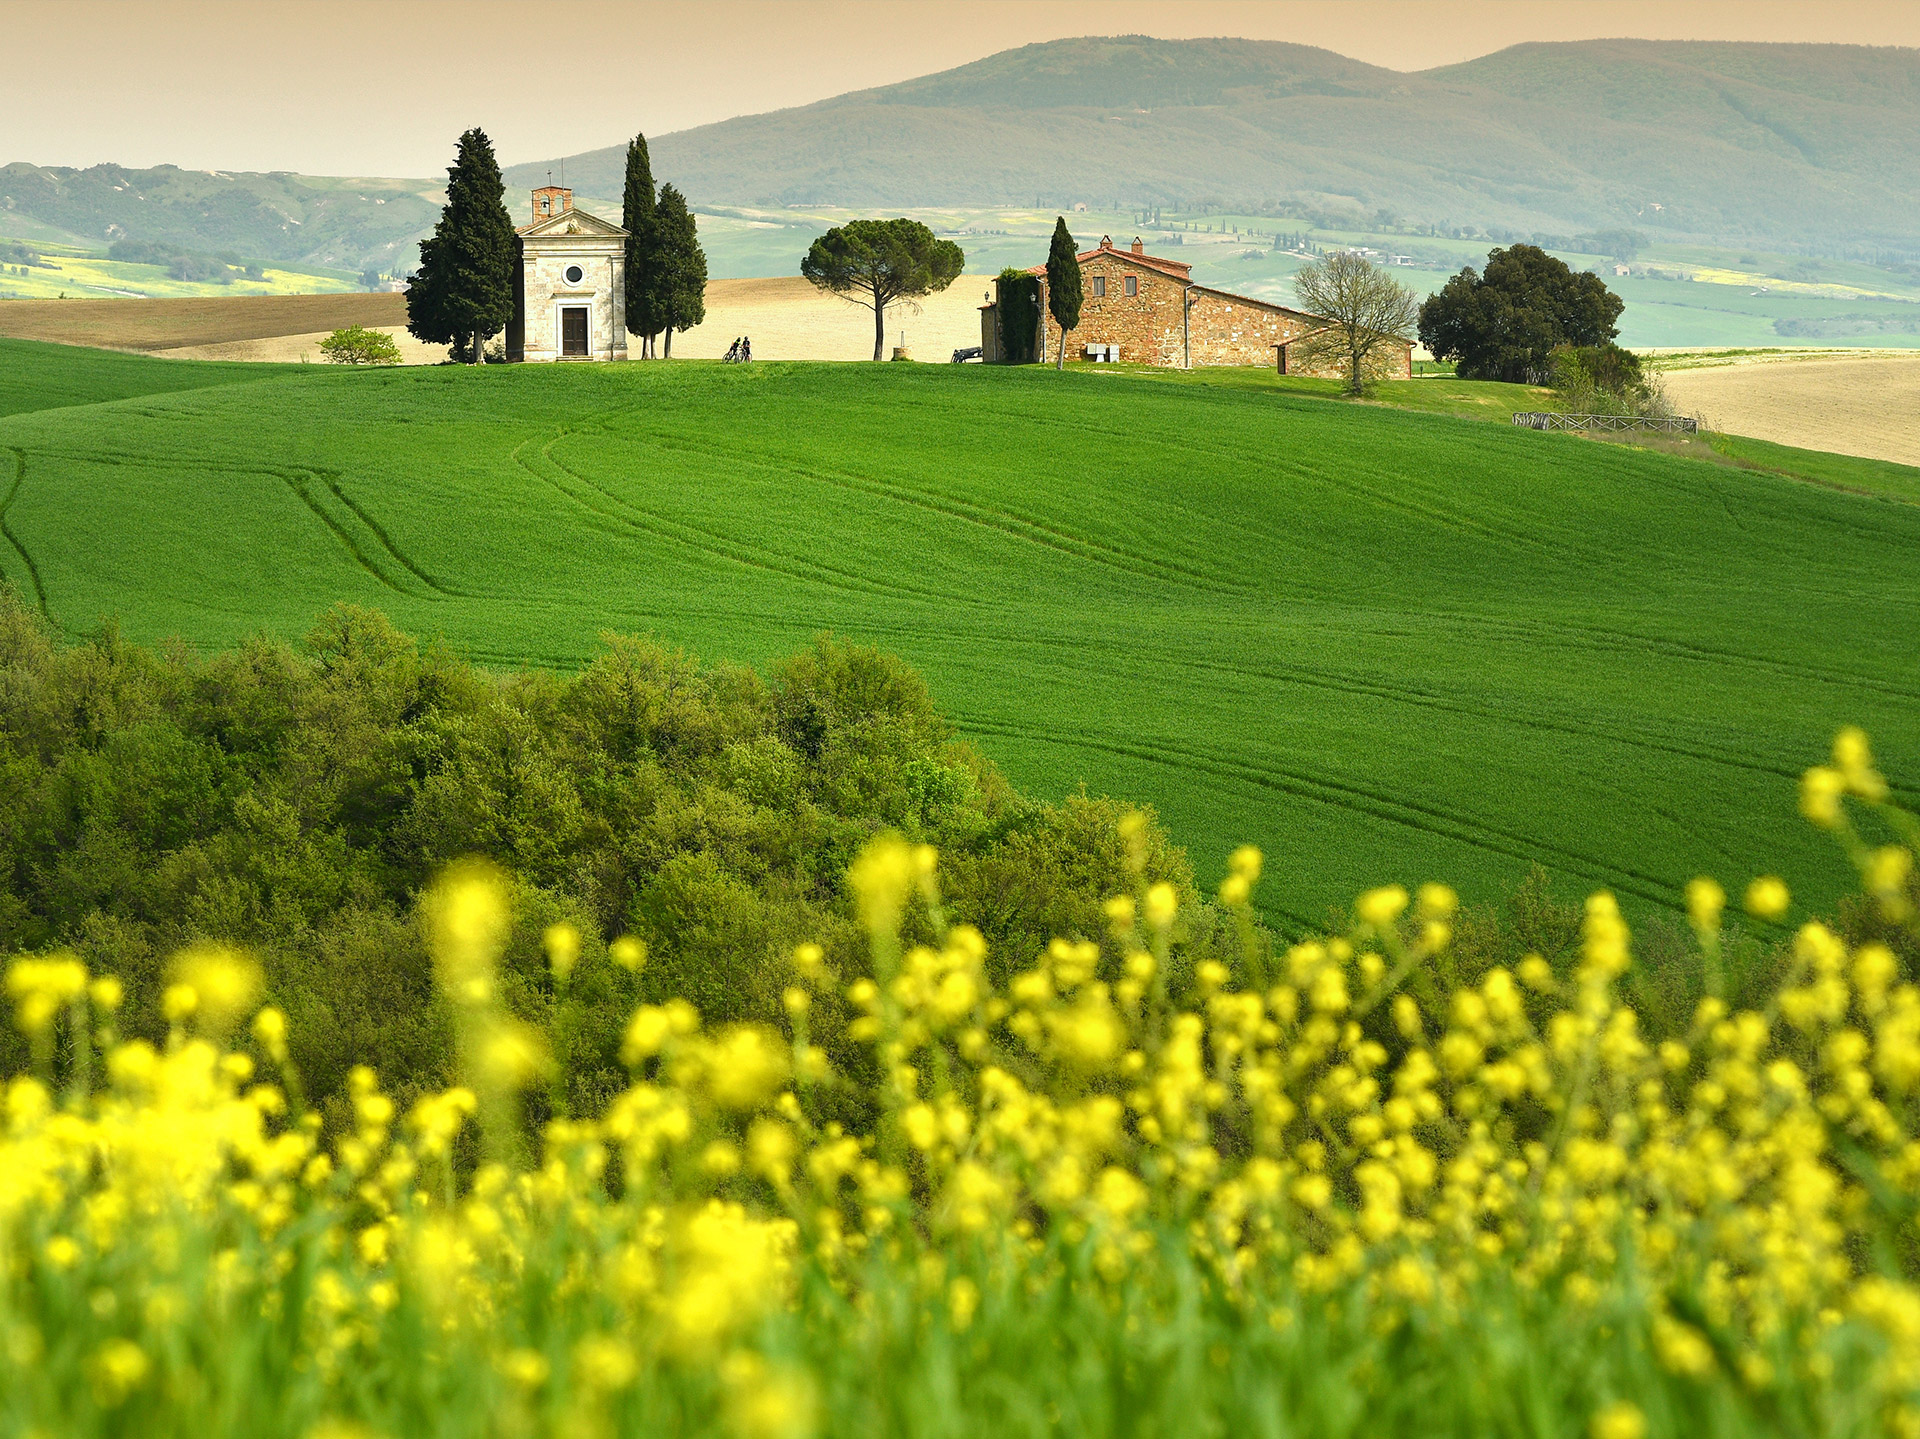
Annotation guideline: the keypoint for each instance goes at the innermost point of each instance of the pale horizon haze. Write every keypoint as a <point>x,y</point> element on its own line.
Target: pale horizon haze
<point>374,87</point>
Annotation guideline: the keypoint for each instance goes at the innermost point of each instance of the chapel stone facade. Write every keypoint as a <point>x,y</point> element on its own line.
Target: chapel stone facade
<point>570,286</point>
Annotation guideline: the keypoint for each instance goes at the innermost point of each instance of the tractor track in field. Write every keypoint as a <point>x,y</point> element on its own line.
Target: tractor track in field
<point>7,531</point>
<point>623,513</point>
<point>379,531</point>
<point>1340,682</point>
<point>1428,819</point>
<point>1601,639</point>
<point>1409,506</point>
<point>1009,523</point>
<point>300,479</point>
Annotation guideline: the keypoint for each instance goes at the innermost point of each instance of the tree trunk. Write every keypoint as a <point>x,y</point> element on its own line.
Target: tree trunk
<point>477,342</point>
<point>879,327</point>
<point>1060,350</point>
<point>667,353</point>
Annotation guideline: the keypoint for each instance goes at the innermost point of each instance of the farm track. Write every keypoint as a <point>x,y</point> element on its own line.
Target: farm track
<point>714,545</point>
<point>1429,819</point>
<point>1002,522</point>
<point>19,457</point>
<point>300,481</point>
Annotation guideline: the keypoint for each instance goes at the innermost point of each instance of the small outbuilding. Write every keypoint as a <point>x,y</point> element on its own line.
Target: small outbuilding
<point>570,285</point>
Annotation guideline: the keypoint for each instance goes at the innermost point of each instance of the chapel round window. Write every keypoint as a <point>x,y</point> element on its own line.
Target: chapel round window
<point>575,274</point>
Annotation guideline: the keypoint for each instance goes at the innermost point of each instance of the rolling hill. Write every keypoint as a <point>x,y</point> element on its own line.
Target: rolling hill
<point>340,223</point>
<point>1381,644</point>
<point>1801,144</point>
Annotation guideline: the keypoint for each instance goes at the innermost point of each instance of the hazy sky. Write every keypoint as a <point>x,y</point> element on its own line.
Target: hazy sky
<point>382,87</point>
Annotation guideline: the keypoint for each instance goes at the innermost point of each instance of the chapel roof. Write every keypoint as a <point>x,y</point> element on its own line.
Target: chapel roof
<point>572,222</point>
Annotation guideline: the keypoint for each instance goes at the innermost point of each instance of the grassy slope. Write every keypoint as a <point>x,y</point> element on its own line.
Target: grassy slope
<point>36,376</point>
<point>1381,644</point>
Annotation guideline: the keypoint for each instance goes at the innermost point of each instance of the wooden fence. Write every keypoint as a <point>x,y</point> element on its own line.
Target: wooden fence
<point>1549,420</point>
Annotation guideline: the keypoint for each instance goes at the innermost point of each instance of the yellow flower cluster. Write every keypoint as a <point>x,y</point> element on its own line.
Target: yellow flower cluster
<point>1749,1185</point>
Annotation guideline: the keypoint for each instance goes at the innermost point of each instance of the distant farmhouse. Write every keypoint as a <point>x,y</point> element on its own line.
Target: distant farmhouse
<point>1145,310</point>
<point>570,285</point>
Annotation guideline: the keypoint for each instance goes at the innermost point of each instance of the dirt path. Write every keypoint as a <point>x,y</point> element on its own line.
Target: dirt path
<point>1865,404</point>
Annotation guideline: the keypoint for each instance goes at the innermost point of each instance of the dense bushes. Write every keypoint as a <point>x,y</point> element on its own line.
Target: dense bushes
<point>1369,1196</point>
<point>1606,379</point>
<point>295,800</point>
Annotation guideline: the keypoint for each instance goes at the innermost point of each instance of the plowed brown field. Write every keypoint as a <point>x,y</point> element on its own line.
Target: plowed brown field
<point>787,319</point>
<point>1863,404</point>
<point>172,324</point>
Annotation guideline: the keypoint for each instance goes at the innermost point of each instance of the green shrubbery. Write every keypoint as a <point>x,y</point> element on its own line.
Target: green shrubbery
<point>295,800</point>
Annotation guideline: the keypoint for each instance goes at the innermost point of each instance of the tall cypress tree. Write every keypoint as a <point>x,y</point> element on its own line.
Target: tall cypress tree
<point>1064,285</point>
<point>463,291</point>
<point>636,217</point>
<point>679,288</point>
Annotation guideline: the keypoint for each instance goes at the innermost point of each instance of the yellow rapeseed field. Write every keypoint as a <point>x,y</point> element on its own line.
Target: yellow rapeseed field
<point>1329,1194</point>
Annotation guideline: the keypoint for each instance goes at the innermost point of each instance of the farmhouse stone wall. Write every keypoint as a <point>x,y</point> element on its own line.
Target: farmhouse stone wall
<point>1220,328</point>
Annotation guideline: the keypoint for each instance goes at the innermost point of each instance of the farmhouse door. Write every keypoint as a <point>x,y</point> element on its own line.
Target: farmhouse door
<point>573,331</point>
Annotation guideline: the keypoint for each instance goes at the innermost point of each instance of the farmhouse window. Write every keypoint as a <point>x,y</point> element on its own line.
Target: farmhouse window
<point>1099,287</point>
<point>1133,284</point>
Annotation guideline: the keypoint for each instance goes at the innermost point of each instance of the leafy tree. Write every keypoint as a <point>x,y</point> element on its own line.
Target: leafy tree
<point>357,345</point>
<point>636,217</point>
<point>677,298</point>
<point>463,291</point>
<point>875,262</point>
<point>1367,311</point>
<point>1506,324</point>
<point>1065,289</point>
<point>369,278</point>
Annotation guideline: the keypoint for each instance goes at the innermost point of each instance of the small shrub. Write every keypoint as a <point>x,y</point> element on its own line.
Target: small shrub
<point>357,345</point>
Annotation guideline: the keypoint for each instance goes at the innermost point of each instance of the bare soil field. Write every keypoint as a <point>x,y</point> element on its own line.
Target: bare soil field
<point>292,349</point>
<point>1861,404</point>
<point>176,324</point>
<point>788,319</point>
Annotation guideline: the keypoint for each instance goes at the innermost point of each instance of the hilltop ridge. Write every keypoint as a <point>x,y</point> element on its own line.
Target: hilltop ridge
<point>1789,143</point>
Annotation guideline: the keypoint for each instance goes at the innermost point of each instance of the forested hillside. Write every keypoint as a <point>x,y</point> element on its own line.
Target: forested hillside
<point>1790,143</point>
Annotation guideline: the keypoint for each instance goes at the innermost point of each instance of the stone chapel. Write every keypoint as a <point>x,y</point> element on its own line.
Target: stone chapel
<point>570,286</point>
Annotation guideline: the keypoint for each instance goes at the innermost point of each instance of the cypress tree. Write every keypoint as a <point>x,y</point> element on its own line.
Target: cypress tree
<point>679,280</point>
<point>636,217</point>
<point>1063,285</point>
<point>463,291</point>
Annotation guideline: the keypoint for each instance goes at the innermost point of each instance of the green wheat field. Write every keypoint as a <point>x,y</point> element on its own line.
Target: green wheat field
<point>1380,644</point>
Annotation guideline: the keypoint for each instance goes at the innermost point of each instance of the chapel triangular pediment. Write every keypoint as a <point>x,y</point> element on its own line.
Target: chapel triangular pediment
<point>573,222</point>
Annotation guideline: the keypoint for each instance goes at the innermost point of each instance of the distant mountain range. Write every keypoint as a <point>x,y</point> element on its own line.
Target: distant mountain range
<point>1794,146</point>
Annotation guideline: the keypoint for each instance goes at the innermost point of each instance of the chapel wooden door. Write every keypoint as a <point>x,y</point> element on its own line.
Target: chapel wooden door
<point>573,331</point>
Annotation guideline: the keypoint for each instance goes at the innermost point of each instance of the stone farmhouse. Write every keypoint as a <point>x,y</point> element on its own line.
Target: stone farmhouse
<point>570,286</point>
<point>1145,310</point>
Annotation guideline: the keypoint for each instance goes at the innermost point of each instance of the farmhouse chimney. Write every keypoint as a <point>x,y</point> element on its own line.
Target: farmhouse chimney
<point>1139,247</point>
